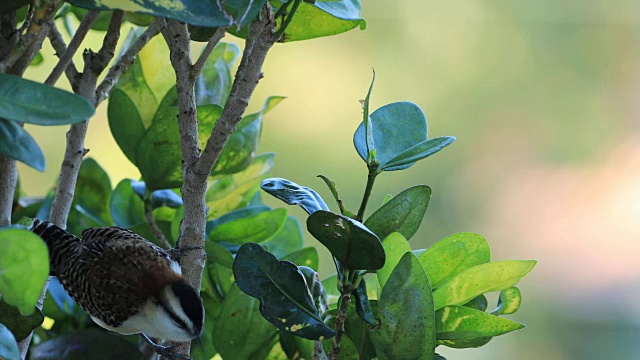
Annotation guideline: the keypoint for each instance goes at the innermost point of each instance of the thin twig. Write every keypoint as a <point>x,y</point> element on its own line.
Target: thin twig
<point>155,230</point>
<point>125,60</point>
<point>27,19</point>
<point>58,44</point>
<point>260,39</point>
<point>211,44</point>
<point>74,45</point>
<point>7,188</point>
<point>341,317</point>
<point>109,43</point>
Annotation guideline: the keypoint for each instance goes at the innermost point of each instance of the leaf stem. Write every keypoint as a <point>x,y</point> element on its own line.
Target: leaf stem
<point>155,230</point>
<point>286,22</point>
<point>371,178</point>
<point>211,44</point>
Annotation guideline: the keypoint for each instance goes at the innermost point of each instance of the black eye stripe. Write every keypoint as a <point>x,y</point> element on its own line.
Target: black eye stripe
<point>181,324</point>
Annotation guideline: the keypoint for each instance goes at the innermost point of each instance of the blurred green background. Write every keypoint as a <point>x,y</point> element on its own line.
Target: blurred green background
<point>544,99</point>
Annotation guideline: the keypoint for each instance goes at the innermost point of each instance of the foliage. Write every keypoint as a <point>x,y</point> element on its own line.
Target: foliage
<point>260,284</point>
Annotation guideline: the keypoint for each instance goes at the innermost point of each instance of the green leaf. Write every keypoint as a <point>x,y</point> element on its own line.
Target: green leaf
<point>86,344</point>
<point>21,326</point>
<point>239,149</point>
<point>368,130</point>
<point>10,5</point>
<point>330,285</point>
<point>363,308</point>
<point>8,345</point>
<point>125,122</point>
<point>218,254</point>
<point>508,302</point>
<point>402,213</point>
<point>195,12</point>
<point>407,322</point>
<point>24,268</point>
<point>214,81</point>
<point>100,24</point>
<point>395,246</point>
<point>465,343</point>
<point>285,300</point>
<point>240,322</point>
<point>460,322</point>
<point>358,331</point>
<point>17,144</point>
<point>479,303</point>
<point>235,191</point>
<point>287,240</point>
<point>304,257</point>
<point>350,242</point>
<point>92,193</point>
<point>495,276</point>
<point>294,194</point>
<point>323,18</point>
<point>31,102</point>
<point>454,254</point>
<point>127,209</point>
<point>418,152</point>
<point>255,228</point>
<point>400,134</point>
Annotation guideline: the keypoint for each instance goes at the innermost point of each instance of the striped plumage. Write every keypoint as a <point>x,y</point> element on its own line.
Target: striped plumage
<point>125,283</point>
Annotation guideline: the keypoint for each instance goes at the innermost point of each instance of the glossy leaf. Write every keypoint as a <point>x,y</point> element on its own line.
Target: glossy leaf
<point>304,257</point>
<point>350,242</point>
<point>127,209</point>
<point>240,322</point>
<point>465,343</point>
<point>24,267</point>
<point>407,322</point>
<point>214,81</point>
<point>322,18</point>
<point>403,213</point>
<point>31,102</point>
<point>235,191</point>
<point>368,129</point>
<point>241,146</point>
<point>400,134</point>
<point>479,303</point>
<point>92,193</point>
<point>203,13</point>
<point>460,322</point>
<point>363,308</point>
<point>495,276</point>
<point>256,228</point>
<point>454,254</point>
<point>17,144</point>
<point>395,246</point>
<point>20,325</point>
<point>284,298</point>
<point>508,302</point>
<point>294,194</point>
<point>8,345</point>
<point>86,344</point>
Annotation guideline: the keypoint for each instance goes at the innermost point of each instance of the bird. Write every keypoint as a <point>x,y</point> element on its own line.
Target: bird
<point>126,283</point>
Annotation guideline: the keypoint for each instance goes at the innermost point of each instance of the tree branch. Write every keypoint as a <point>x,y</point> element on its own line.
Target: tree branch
<point>260,39</point>
<point>125,60</point>
<point>57,42</point>
<point>211,44</point>
<point>74,45</point>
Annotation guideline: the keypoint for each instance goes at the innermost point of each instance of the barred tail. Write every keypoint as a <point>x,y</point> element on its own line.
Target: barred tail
<point>60,243</point>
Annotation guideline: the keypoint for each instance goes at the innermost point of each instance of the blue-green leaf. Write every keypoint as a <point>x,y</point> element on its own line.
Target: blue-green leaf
<point>294,194</point>
<point>8,345</point>
<point>17,144</point>
<point>214,81</point>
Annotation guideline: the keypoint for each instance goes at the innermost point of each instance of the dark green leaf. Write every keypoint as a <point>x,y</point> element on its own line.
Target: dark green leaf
<point>479,303</point>
<point>196,12</point>
<point>284,298</point>
<point>330,285</point>
<point>287,240</point>
<point>8,345</point>
<point>395,246</point>
<point>218,254</point>
<point>127,209</point>
<point>20,325</point>
<point>9,5</point>
<point>125,122</point>
<point>86,344</point>
<point>358,331</point>
<point>17,144</point>
<point>495,276</point>
<point>236,215</point>
<point>24,268</point>
<point>363,308</point>
<point>294,194</point>
<point>31,102</point>
<point>304,257</point>
<point>348,350</point>
<point>92,193</point>
<point>256,228</point>
<point>460,322</point>
<point>240,322</point>
<point>407,319</point>
<point>418,152</point>
<point>100,24</point>
<point>508,302</point>
<point>454,254</point>
<point>402,213</point>
<point>355,246</point>
<point>368,130</point>
<point>214,82</point>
